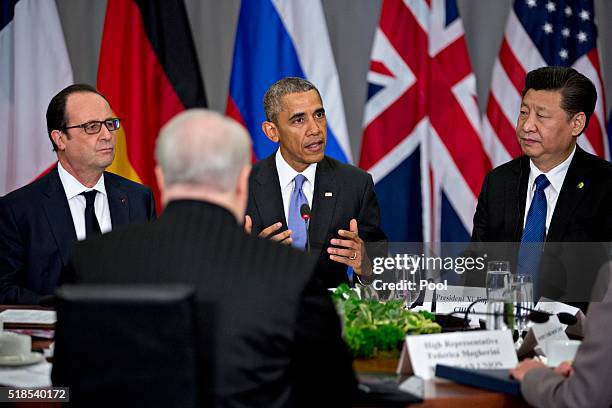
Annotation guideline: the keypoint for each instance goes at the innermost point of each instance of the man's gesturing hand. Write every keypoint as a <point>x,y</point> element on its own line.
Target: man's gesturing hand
<point>350,250</point>
<point>269,232</point>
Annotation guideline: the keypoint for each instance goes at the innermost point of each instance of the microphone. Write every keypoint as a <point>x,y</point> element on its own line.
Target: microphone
<point>539,316</point>
<point>536,316</point>
<point>305,214</point>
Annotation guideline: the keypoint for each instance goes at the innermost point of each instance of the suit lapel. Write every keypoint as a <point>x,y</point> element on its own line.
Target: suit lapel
<point>515,196</point>
<point>324,200</point>
<point>118,202</point>
<point>267,194</point>
<point>58,215</point>
<point>573,190</point>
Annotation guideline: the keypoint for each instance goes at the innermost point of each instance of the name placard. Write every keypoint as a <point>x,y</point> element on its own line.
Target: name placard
<point>550,306</point>
<point>458,298</point>
<point>553,329</point>
<point>478,349</point>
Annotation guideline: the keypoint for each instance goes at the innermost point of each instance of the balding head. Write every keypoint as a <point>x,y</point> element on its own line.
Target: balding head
<point>203,155</point>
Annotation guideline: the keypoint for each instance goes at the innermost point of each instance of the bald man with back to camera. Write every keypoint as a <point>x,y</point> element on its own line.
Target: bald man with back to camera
<point>277,338</point>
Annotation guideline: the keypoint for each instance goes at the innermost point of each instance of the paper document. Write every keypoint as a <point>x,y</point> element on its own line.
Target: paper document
<point>28,316</point>
<point>30,376</point>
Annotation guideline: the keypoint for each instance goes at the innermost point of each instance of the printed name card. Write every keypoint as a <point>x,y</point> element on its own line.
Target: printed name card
<point>552,307</point>
<point>553,329</point>
<point>458,298</point>
<point>478,349</point>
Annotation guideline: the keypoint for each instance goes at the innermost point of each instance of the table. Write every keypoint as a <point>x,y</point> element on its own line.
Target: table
<point>437,393</point>
<point>37,344</point>
<point>440,393</point>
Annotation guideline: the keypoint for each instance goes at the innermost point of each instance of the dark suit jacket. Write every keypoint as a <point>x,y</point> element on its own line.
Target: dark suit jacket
<point>37,232</point>
<point>352,196</point>
<point>273,338</point>
<point>583,213</point>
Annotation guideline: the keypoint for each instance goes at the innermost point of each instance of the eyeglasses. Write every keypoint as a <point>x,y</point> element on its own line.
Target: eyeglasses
<point>94,126</point>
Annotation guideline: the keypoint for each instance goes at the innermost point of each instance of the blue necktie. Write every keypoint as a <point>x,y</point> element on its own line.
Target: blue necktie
<point>534,233</point>
<point>295,221</point>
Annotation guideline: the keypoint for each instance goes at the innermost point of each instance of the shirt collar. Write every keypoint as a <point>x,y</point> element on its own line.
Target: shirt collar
<point>286,173</point>
<point>73,187</point>
<point>556,175</point>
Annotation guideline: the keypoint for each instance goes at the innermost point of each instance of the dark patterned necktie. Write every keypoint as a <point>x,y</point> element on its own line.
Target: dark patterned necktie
<point>534,233</point>
<point>92,226</point>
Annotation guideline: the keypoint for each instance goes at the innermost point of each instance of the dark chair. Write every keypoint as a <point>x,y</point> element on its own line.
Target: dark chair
<point>120,345</point>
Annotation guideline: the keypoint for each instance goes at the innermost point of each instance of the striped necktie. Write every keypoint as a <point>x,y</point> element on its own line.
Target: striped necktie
<point>534,233</point>
<point>295,221</point>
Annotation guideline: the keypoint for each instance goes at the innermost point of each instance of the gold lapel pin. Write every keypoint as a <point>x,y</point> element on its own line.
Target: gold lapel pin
<point>328,194</point>
<point>580,185</point>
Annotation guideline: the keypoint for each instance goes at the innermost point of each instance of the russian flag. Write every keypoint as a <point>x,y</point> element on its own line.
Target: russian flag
<point>276,39</point>
<point>34,66</point>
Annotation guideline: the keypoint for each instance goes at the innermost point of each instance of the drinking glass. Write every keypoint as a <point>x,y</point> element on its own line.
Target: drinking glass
<point>498,279</point>
<point>500,307</point>
<point>411,277</point>
<point>522,293</point>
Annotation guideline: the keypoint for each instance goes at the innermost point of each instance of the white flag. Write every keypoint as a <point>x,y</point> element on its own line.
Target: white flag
<point>34,66</point>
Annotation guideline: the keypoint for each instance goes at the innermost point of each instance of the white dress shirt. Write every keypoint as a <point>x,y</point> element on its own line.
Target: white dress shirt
<point>76,202</point>
<point>286,174</point>
<point>556,176</point>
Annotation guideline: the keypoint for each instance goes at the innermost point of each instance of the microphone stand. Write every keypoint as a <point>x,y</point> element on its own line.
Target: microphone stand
<point>536,316</point>
<point>307,222</point>
<point>305,214</point>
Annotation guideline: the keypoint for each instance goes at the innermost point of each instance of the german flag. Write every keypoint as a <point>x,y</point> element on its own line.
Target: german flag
<point>149,72</point>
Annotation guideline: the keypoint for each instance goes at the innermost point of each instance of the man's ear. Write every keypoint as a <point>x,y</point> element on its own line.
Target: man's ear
<point>270,130</point>
<point>58,139</point>
<point>578,123</point>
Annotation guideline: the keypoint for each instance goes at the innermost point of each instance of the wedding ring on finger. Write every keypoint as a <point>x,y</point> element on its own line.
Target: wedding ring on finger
<point>352,258</point>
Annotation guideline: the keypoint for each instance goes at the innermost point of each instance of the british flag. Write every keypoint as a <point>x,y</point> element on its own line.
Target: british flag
<point>540,33</point>
<point>422,124</point>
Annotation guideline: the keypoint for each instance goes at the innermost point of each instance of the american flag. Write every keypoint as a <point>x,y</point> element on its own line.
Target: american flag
<point>422,124</point>
<point>540,33</point>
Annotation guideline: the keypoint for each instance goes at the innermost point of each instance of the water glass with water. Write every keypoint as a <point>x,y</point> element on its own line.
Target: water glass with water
<point>522,293</point>
<point>500,307</point>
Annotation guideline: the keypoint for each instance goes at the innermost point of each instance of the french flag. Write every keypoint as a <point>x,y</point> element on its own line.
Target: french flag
<point>34,66</point>
<point>276,39</point>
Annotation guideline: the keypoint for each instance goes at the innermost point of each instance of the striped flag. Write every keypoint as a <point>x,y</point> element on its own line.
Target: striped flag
<point>275,39</point>
<point>540,33</point>
<point>149,72</point>
<point>610,131</point>
<point>34,66</point>
<point>421,128</point>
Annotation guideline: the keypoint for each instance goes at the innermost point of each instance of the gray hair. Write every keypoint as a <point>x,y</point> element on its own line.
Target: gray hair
<point>282,87</point>
<point>201,147</point>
